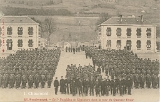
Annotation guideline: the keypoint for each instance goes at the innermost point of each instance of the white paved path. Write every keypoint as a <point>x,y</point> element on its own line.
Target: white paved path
<point>68,59</point>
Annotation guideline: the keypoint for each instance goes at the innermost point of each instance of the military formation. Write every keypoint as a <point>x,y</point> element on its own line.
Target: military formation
<point>85,80</point>
<point>78,80</point>
<point>74,49</point>
<point>29,68</point>
<point>124,65</point>
<point>114,72</point>
<point>122,70</point>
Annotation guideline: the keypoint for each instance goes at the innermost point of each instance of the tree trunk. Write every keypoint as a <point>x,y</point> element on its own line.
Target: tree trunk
<point>48,40</point>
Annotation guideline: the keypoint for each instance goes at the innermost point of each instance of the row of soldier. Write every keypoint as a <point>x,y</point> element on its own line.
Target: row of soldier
<point>24,81</point>
<point>31,59</point>
<point>30,67</point>
<point>122,63</point>
<point>85,81</point>
<point>74,49</point>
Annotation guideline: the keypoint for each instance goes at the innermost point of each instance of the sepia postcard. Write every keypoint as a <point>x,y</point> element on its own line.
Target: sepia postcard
<point>79,50</point>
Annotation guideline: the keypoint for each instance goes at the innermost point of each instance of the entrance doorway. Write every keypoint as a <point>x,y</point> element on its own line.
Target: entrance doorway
<point>9,44</point>
<point>128,45</point>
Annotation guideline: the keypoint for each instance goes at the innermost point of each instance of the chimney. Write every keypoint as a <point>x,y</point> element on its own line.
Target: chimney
<point>142,20</point>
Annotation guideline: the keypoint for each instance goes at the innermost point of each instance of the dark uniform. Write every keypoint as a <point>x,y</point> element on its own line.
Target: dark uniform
<point>120,86</point>
<point>43,80</point>
<point>24,81</point>
<point>18,80</point>
<point>62,85</point>
<point>124,86</point>
<point>97,87</point>
<point>36,80</point>
<point>148,81</point>
<point>103,87</point>
<point>114,86</point>
<point>129,85</point>
<point>56,84</point>
<point>12,80</point>
<point>49,80</point>
<point>107,86</point>
<point>30,81</point>
<point>91,85</point>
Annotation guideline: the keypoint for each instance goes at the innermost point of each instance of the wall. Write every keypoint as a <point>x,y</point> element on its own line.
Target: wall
<point>25,37</point>
<point>133,38</point>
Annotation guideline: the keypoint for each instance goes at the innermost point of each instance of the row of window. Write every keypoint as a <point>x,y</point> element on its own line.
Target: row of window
<point>128,32</point>
<point>19,43</point>
<point>129,44</point>
<point>19,31</point>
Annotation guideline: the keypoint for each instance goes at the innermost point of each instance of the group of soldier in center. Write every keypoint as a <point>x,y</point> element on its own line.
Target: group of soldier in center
<point>113,72</point>
<point>85,80</point>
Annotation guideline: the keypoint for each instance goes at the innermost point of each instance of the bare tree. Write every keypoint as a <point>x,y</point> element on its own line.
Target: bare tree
<point>102,18</point>
<point>49,26</point>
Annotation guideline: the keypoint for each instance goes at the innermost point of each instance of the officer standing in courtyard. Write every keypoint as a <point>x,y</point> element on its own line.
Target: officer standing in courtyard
<point>129,86</point>
<point>56,85</point>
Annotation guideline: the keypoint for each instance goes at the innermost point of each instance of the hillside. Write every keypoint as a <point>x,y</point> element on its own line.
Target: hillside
<point>150,8</point>
<point>79,28</point>
<point>86,6</point>
<point>81,8</point>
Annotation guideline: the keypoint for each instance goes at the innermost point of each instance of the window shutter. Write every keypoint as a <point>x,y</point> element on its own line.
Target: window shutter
<point>148,44</point>
<point>30,43</point>
<point>30,30</point>
<point>128,31</point>
<point>138,44</point>
<point>20,30</point>
<point>118,31</point>
<point>9,30</point>
<point>148,32</point>
<point>138,32</point>
<point>108,31</point>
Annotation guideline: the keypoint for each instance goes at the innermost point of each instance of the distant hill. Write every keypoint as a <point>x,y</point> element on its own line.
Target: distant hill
<point>85,2</point>
<point>82,8</point>
<point>27,2</point>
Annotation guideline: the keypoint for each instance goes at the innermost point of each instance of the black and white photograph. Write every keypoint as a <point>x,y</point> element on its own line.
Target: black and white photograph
<point>79,50</point>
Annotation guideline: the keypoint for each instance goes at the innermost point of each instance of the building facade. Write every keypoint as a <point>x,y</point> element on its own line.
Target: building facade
<point>130,33</point>
<point>18,32</point>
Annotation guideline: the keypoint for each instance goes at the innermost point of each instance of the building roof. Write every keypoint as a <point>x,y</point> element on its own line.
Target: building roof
<point>17,19</point>
<point>126,21</point>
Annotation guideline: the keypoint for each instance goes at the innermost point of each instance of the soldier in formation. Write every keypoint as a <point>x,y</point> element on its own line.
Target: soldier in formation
<point>32,68</point>
<point>74,49</point>
<point>125,65</point>
<point>84,81</point>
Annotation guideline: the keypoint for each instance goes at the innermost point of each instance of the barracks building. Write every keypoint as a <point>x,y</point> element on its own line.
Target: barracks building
<point>18,32</point>
<point>130,33</point>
